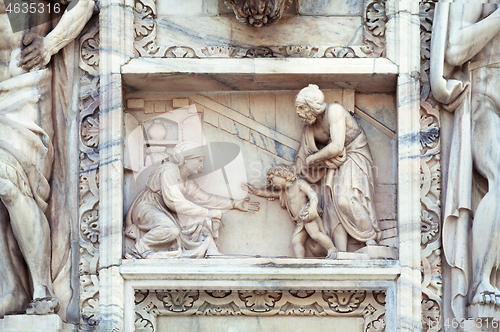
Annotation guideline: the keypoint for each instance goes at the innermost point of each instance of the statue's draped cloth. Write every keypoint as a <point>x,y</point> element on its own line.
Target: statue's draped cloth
<point>170,206</point>
<point>33,155</point>
<point>451,87</point>
<point>26,150</point>
<point>346,178</point>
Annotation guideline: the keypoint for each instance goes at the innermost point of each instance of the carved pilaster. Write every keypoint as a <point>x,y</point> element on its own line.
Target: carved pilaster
<point>370,306</point>
<point>430,195</point>
<point>89,179</point>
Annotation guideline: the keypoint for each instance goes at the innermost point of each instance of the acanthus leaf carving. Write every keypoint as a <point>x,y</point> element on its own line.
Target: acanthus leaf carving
<point>145,28</point>
<point>300,51</point>
<point>258,13</point>
<point>89,51</point>
<point>90,131</point>
<point>375,19</point>
<point>149,305</point>
<point>340,52</point>
<point>208,309</point>
<point>302,310</point>
<point>431,315</point>
<point>430,194</point>
<point>260,52</point>
<point>89,226</point>
<point>178,301</point>
<point>259,301</point>
<point>344,301</point>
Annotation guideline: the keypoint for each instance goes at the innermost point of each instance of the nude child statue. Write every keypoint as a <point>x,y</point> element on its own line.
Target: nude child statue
<point>301,201</point>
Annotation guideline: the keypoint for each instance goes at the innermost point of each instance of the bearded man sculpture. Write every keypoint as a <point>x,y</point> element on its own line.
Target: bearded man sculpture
<point>334,149</point>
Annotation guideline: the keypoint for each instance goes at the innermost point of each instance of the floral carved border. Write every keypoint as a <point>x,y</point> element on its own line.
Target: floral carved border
<point>370,306</point>
<point>89,179</point>
<point>374,26</point>
<point>430,194</point>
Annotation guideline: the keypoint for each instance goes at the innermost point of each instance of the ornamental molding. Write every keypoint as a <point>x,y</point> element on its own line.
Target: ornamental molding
<point>150,305</point>
<point>430,193</point>
<point>89,228</point>
<point>374,20</point>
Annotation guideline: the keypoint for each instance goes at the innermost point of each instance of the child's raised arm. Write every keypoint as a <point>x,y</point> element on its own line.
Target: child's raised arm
<point>261,192</point>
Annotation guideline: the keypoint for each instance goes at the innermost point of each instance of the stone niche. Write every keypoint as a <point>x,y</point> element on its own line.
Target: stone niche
<point>200,75</point>
<point>257,284</point>
<point>265,129</point>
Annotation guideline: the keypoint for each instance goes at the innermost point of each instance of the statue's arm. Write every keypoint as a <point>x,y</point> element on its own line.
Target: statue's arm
<point>310,211</point>
<point>40,49</point>
<point>467,36</point>
<point>175,200</point>
<point>69,27</point>
<point>265,192</point>
<point>336,119</point>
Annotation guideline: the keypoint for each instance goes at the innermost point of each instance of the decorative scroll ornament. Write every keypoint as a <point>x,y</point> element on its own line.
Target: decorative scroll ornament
<point>150,305</point>
<point>375,20</point>
<point>430,193</point>
<point>89,180</point>
<point>258,12</point>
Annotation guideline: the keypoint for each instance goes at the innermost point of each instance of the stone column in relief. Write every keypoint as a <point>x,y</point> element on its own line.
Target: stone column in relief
<point>36,81</point>
<point>465,77</point>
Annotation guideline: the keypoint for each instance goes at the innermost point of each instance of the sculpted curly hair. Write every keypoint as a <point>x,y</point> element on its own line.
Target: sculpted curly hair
<point>282,171</point>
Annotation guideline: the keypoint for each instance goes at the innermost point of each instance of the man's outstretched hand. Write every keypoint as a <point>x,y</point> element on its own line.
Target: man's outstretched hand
<point>246,206</point>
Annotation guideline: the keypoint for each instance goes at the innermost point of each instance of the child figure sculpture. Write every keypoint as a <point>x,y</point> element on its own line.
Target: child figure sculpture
<point>301,201</point>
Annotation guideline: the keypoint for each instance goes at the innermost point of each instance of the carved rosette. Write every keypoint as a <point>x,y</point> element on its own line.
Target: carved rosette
<point>89,179</point>
<point>430,194</point>
<point>370,306</point>
<point>258,13</point>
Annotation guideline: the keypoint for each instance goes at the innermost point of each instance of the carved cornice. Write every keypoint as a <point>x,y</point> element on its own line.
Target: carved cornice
<point>89,179</point>
<point>370,306</point>
<point>374,42</point>
<point>430,194</point>
<point>258,13</point>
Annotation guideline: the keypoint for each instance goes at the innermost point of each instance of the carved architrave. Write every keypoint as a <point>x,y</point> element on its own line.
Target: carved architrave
<point>149,305</point>
<point>258,13</point>
<point>430,195</point>
<point>89,179</point>
<point>374,42</point>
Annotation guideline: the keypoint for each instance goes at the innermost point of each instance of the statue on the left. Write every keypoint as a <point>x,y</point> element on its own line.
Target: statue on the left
<point>35,95</point>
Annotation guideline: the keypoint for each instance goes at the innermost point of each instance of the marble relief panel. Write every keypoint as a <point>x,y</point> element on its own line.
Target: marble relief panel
<point>265,131</point>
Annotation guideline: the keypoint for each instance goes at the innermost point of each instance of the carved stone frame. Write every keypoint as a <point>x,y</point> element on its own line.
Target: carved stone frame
<point>117,285</point>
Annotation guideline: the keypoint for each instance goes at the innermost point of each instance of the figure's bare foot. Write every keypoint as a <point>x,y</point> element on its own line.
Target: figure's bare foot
<point>332,253</point>
<point>485,294</point>
<point>43,306</point>
<point>371,243</point>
